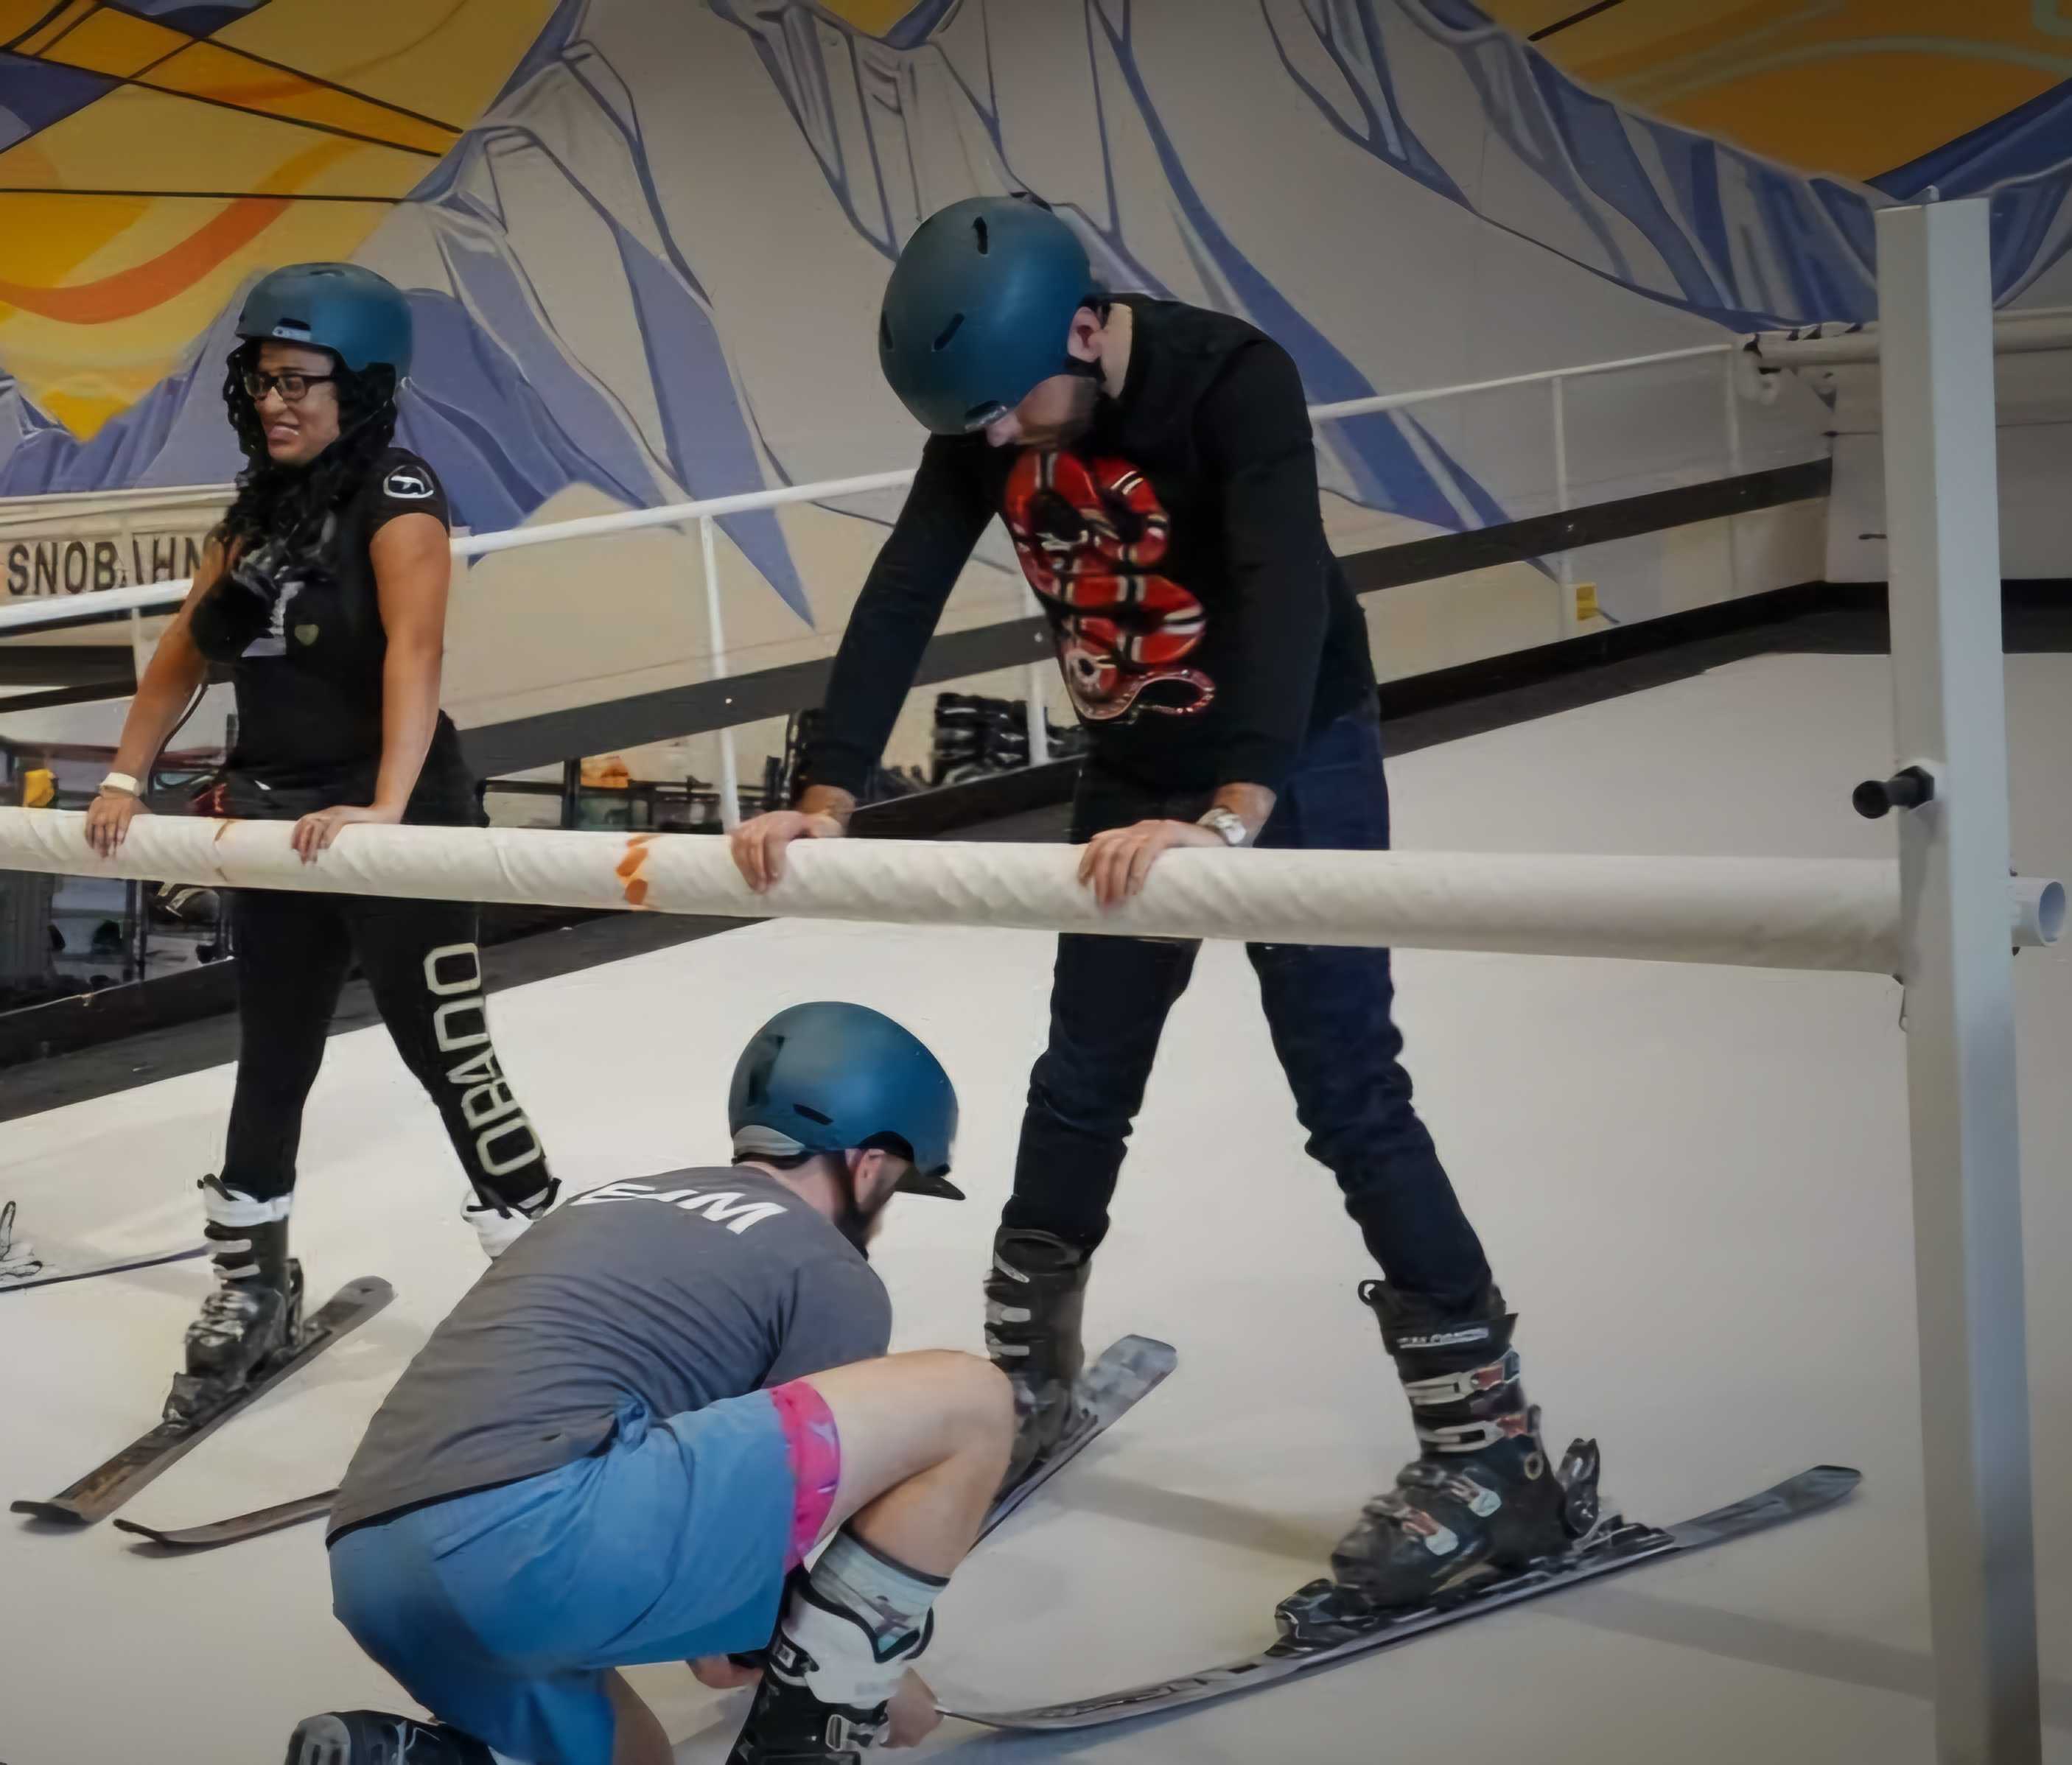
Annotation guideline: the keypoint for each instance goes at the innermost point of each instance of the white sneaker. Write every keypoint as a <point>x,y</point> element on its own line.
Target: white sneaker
<point>500,1225</point>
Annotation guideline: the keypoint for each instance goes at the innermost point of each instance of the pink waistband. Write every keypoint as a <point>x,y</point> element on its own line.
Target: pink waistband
<point>815,1448</point>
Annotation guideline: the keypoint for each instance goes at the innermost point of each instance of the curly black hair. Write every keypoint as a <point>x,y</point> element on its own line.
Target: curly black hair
<point>291,502</point>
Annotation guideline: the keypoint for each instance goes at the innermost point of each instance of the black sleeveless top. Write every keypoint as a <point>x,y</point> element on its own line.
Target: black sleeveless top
<point>301,627</point>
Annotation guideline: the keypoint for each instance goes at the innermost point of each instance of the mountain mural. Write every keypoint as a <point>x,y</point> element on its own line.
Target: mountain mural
<point>648,261</point>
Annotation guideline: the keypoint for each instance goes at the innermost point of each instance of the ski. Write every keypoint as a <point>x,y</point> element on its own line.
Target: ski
<point>1132,1369</point>
<point>55,1269</point>
<point>1109,1389</point>
<point>278,1518</point>
<point>1612,1546</point>
<point>101,1492</point>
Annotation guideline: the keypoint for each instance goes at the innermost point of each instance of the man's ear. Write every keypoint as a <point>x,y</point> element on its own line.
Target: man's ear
<point>1082,342</point>
<point>869,1177</point>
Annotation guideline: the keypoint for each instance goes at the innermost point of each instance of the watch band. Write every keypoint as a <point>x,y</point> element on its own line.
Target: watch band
<point>122,781</point>
<point>1228,825</point>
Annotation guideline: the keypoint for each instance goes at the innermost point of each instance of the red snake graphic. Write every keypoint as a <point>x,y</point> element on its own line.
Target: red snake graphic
<point>1088,532</point>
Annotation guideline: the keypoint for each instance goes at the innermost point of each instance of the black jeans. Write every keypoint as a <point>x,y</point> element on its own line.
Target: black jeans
<point>419,958</point>
<point>1329,1011</point>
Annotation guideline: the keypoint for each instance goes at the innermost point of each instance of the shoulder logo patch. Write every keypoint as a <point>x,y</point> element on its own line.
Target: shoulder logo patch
<point>408,484</point>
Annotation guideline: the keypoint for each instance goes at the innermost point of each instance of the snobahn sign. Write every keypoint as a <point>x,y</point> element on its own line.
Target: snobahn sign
<point>50,566</point>
<point>67,546</point>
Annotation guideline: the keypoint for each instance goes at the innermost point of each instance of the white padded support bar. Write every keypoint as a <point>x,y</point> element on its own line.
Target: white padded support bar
<point>1765,912</point>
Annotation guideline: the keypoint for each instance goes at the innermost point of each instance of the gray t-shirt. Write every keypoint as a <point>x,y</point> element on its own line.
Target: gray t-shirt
<point>675,1291</point>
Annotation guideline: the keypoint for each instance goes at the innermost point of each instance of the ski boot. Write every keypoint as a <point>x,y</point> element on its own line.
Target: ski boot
<point>808,1710</point>
<point>254,1316</point>
<point>1007,736</point>
<point>372,1737</point>
<point>957,751</point>
<point>500,1225</point>
<point>1480,1501</point>
<point>1033,1299</point>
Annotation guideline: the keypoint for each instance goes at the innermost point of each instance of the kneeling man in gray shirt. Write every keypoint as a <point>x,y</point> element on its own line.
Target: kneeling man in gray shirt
<point>624,1442</point>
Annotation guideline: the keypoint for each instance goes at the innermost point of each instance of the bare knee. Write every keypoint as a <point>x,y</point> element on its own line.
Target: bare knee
<point>983,1400</point>
<point>970,1395</point>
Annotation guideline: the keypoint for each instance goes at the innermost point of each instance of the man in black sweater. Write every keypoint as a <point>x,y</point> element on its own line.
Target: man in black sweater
<point>1154,465</point>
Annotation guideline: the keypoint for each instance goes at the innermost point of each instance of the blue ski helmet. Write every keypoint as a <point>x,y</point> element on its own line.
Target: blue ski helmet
<point>830,1077</point>
<point>978,309</point>
<point>361,318</point>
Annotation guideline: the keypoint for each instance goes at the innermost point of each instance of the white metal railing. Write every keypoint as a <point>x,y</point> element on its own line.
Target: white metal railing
<point>2028,331</point>
<point>1396,401</point>
<point>150,597</point>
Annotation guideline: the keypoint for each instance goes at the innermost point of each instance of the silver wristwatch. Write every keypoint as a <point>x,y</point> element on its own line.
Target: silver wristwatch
<point>1228,825</point>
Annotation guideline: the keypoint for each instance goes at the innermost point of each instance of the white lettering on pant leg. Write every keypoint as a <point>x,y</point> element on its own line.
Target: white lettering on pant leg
<point>483,1104</point>
<point>467,961</point>
<point>475,1068</point>
<point>451,1038</point>
<point>529,1153</point>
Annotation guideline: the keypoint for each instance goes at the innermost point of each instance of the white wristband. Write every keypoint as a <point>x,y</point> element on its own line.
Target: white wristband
<point>122,782</point>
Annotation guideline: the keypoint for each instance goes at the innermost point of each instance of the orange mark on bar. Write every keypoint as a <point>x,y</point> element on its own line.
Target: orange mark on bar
<point>222,827</point>
<point>629,870</point>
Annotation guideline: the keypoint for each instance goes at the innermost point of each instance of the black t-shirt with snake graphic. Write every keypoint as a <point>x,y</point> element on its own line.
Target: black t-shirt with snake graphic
<point>1178,550</point>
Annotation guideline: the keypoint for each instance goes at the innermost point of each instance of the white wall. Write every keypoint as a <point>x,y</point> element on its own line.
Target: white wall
<point>2034,394</point>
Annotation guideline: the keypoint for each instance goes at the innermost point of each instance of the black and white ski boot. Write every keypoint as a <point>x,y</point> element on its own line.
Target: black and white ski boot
<point>809,1708</point>
<point>373,1737</point>
<point>1482,1499</point>
<point>254,1314</point>
<point>1035,1296</point>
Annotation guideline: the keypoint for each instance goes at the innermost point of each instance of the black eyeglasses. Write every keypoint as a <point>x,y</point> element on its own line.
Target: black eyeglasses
<point>293,388</point>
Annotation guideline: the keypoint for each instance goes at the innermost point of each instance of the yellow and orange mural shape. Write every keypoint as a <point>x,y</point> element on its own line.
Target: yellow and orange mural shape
<point>1852,87</point>
<point>284,134</point>
<point>877,17</point>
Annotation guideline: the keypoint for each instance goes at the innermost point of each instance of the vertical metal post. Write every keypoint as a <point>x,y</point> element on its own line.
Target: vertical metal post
<point>1564,575</point>
<point>729,770</point>
<point>1733,465</point>
<point>571,792</point>
<point>136,934</point>
<point>1951,719</point>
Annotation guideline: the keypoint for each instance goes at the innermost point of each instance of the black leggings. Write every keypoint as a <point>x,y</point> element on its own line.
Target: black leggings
<point>420,958</point>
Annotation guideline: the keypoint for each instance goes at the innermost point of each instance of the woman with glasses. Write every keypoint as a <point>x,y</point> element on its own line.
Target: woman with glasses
<point>324,589</point>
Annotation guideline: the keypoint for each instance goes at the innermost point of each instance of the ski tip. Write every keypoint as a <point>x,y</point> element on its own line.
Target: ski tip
<point>1833,1481</point>
<point>1145,1348</point>
<point>152,1533</point>
<point>56,1513</point>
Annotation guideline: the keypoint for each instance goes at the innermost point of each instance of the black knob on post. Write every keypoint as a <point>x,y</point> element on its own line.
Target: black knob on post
<point>1876,799</point>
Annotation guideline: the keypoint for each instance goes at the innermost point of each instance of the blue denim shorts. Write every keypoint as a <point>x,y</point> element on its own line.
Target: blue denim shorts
<point>502,1612</point>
